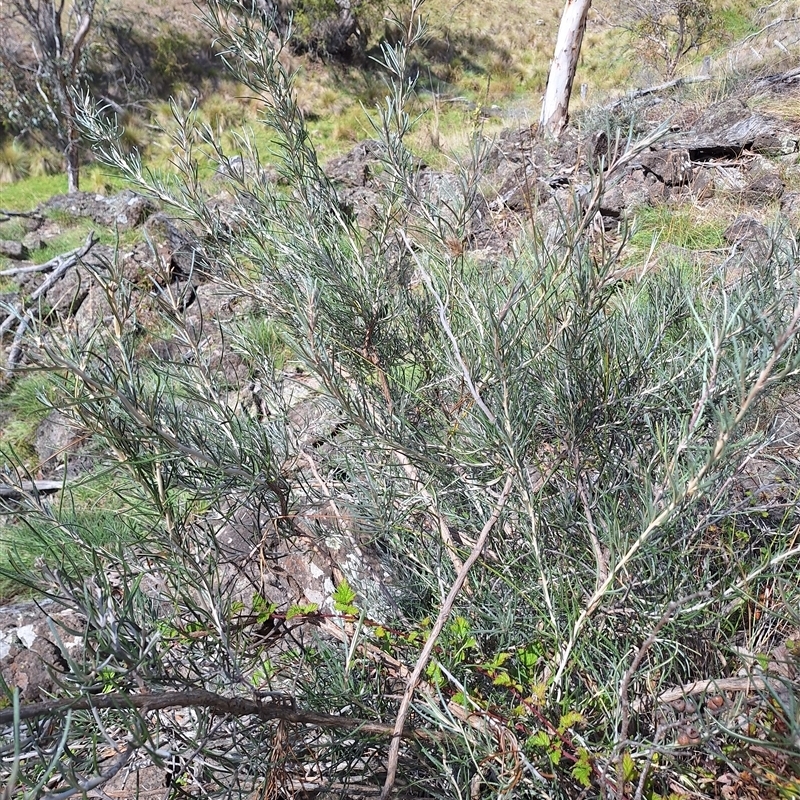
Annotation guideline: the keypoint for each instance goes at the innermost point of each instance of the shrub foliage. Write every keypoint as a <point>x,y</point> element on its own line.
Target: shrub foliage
<point>592,428</point>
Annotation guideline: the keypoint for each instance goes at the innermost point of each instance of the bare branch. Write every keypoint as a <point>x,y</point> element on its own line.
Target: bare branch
<point>444,613</point>
<point>215,703</point>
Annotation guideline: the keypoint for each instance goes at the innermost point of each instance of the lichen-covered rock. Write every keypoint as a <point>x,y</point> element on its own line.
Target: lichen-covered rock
<point>30,654</point>
<point>763,189</point>
<point>671,167</point>
<point>12,249</point>
<point>123,211</point>
<point>177,249</point>
<point>750,237</point>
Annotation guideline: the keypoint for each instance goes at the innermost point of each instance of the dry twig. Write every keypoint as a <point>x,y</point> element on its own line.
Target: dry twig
<point>422,661</point>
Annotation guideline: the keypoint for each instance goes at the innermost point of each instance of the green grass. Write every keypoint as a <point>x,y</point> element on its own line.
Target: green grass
<point>30,192</point>
<point>75,233</point>
<point>13,229</point>
<point>27,403</point>
<point>261,335</point>
<point>736,22</point>
<point>677,227</point>
<point>27,193</point>
<point>68,543</point>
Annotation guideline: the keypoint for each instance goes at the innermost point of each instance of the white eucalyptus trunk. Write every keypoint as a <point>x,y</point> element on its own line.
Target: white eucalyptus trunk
<point>555,108</point>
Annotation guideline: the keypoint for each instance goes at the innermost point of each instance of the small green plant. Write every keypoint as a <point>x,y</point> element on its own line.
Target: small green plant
<point>301,610</point>
<point>344,599</point>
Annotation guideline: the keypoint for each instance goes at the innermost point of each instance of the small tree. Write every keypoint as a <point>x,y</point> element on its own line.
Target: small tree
<point>666,31</point>
<point>43,54</point>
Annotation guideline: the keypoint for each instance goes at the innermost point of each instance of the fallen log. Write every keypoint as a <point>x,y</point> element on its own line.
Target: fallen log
<point>21,313</point>
<point>10,491</point>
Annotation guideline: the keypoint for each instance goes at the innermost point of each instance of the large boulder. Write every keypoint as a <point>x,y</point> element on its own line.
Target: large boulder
<point>728,128</point>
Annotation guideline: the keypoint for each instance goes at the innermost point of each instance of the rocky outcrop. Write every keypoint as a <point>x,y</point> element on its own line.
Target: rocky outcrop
<point>123,211</point>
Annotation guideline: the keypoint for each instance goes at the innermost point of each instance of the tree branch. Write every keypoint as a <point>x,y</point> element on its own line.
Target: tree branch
<point>422,661</point>
<point>218,704</point>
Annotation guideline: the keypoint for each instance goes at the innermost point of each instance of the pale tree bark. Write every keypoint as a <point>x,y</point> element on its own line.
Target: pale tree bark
<point>58,33</point>
<point>555,107</point>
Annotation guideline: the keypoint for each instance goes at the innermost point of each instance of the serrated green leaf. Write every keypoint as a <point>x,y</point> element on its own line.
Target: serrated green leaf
<point>629,771</point>
<point>582,769</point>
<point>539,739</point>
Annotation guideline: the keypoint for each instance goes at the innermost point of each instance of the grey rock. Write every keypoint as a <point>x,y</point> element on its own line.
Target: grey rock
<point>33,242</point>
<point>214,304</point>
<point>66,296</point>
<point>129,210</point>
<point>177,248</point>
<point>238,168</point>
<point>124,211</point>
<point>775,143</point>
<point>725,130</point>
<point>763,189</point>
<point>750,237</point>
<point>11,249</point>
<point>357,167</point>
<point>94,312</point>
<point>62,448</point>
<point>54,436</point>
<point>790,207</point>
<point>361,203</point>
<point>703,187</point>
<point>29,658</point>
<point>672,167</point>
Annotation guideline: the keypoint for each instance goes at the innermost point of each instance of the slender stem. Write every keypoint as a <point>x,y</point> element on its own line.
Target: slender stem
<point>424,657</point>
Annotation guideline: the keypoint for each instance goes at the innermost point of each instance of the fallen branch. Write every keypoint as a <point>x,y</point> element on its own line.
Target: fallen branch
<point>11,492</point>
<point>661,87</point>
<point>90,784</point>
<point>422,661</point>
<point>774,23</point>
<point>218,704</point>
<point>5,215</point>
<point>46,267</point>
<point>713,686</point>
<point>63,263</point>
<point>15,351</point>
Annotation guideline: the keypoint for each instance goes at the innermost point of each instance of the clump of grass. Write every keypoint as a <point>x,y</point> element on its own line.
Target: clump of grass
<point>679,227</point>
<point>44,161</point>
<point>68,541</point>
<point>223,112</point>
<point>102,180</point>
<point>14,162</point>
<point>27,404</point>
<point>261,343</point>
<point>12,229</point>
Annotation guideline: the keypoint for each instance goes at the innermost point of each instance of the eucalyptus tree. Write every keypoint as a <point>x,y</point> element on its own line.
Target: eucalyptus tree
<point>44,54</point>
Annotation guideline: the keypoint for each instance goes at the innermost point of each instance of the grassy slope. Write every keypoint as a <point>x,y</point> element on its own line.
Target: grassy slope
<point>487,54</point>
